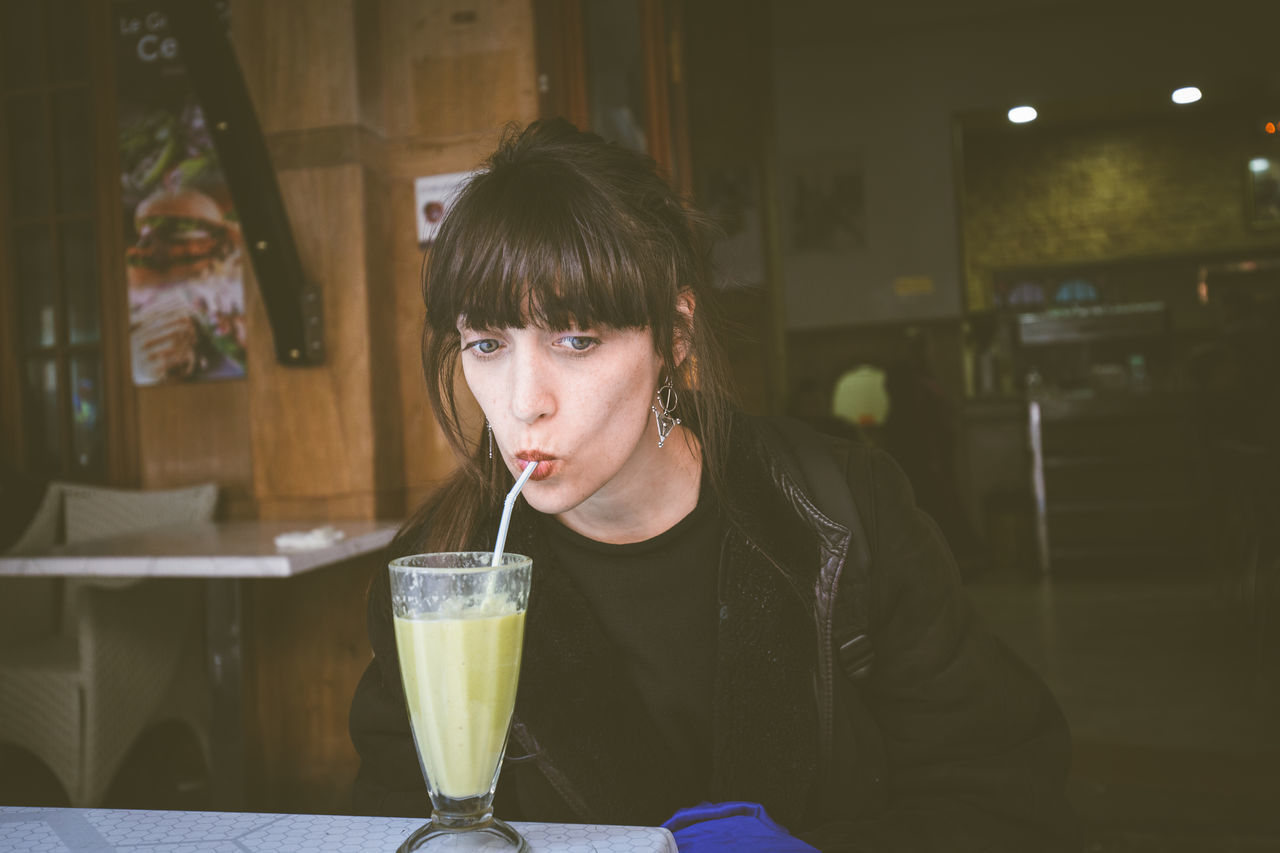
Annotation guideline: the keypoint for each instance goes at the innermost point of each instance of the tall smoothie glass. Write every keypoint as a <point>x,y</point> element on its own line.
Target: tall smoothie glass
<point>459,626</point>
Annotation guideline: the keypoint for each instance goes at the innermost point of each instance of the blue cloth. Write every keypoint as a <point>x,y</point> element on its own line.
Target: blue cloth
<point>741,827</point>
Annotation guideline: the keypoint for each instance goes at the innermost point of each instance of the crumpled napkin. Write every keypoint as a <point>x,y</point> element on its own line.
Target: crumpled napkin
<point>309,540</point>
<point>738,826</point>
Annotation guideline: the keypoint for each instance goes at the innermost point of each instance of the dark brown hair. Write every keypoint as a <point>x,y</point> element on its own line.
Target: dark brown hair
<point>565,230</point>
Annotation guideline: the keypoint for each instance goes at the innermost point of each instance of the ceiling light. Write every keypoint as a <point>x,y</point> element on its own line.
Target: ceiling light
<point>1259,165</point>
<point>1186,95</point>
<point>1022,115</point>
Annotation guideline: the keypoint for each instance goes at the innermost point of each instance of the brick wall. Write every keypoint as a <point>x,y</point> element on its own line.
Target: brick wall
<point>1154,188</point>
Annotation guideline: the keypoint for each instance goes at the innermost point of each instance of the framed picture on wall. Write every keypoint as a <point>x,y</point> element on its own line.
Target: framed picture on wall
<point>826,203</point>
<point>731,194</point>
<point>1263,192</point>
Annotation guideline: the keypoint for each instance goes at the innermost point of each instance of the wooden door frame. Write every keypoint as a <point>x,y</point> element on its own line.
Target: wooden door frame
<point>561,51</point>
<point>120,398</point>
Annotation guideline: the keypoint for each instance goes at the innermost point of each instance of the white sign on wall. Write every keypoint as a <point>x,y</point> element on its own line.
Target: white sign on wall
<point>433,194</point>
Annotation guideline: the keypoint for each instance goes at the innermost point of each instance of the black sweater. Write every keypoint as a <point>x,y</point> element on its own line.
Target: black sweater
<point>953,744</point>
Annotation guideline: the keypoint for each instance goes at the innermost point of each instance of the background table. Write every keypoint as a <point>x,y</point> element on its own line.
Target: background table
<point>35,830</point>
<point>221,554</point>
<point>218,550</point>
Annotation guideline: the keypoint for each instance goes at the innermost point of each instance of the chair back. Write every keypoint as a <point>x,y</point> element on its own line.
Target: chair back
<point>30,607</point>
<point>79,697</point>
<point>94,512</point>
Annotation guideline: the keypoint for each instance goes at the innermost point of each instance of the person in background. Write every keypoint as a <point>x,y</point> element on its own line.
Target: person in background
<point>677,665</point>
<point>810,403</point>
<point>920,434</point>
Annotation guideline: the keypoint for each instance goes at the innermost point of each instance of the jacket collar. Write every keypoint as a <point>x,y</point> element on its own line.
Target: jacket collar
<point>766,706</point>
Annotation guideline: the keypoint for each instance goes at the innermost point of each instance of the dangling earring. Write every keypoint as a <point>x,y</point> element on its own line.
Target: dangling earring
<point>667,400</point>
<point>488,427</point>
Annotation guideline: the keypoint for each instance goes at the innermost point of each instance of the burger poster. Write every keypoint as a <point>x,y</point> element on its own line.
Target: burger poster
<point>183,249</point>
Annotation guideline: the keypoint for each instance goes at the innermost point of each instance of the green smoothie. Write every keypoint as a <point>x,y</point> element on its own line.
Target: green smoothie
<point>460,673</point>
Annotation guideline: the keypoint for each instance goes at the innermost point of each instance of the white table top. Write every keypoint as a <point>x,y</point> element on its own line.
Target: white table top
<point>224,549</point>
<point>40,830</point>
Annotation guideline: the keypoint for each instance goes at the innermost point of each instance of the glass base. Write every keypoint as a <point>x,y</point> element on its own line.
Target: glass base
<point>492,835</point>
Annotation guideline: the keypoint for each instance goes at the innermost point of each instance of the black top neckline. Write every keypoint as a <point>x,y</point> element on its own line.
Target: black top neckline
<point>706,505</point>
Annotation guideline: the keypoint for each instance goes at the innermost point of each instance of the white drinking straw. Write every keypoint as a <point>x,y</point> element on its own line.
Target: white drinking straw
<point>506,510</point>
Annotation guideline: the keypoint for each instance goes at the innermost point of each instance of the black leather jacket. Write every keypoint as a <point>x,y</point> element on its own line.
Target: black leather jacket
<point>951,743</point>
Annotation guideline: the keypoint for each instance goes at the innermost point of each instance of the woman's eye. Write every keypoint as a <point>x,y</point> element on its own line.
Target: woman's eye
<point>483,346</point>
<point>579,343</point>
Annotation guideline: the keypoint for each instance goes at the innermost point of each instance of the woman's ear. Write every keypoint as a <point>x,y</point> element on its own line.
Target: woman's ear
<point>686,303</point>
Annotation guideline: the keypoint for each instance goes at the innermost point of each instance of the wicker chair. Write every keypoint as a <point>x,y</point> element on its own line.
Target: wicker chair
<point>127,654</point>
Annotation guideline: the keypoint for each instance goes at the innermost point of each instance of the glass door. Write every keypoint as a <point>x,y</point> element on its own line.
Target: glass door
<point>53,353</point>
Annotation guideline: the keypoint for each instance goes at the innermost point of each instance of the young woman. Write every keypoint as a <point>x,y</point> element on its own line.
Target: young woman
<point>678,641</point>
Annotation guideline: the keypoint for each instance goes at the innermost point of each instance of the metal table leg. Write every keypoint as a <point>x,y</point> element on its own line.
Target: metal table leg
<point>1036,440</point>
<point>223,623</point>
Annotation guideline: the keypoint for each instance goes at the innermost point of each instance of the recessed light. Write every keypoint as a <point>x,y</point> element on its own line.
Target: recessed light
<point>1186,95</point>
<point>1022,115</point>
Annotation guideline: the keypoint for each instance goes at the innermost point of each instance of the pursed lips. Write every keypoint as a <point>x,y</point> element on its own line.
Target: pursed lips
<point>544,461</point>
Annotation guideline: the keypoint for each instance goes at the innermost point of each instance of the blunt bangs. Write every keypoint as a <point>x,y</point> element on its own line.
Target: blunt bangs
<point>540,246</point>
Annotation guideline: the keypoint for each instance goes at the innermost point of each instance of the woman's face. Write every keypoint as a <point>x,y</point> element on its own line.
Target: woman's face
<point>576,404</point>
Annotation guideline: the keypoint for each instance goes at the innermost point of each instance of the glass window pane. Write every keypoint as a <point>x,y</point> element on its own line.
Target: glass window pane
<point>30,168</point>
<point>68,39</point>
<point>37,285</point>
<point>41,409</point>
<point>73,135</point>
<point>22,57</point>
<point>615,71</point>
<point>80,276</point>
<point>87,432</point>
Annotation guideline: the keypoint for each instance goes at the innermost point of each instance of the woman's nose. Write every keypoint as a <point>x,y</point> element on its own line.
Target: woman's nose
<point>531,394</point>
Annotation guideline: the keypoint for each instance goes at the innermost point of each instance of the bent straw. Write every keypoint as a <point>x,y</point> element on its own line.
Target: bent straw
<point>506,510</point>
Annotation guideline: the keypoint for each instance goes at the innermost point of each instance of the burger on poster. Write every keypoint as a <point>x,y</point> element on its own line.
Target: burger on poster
<point>182,236</point>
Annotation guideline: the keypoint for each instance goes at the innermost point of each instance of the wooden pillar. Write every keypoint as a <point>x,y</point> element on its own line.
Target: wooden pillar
<point>312,429</point>
<point>451,76</point>
<point>355,98</point>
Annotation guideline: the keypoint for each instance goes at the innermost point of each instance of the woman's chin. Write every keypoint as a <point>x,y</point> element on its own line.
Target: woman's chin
<point>546,498</point>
